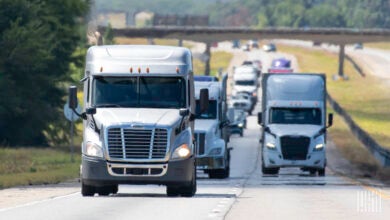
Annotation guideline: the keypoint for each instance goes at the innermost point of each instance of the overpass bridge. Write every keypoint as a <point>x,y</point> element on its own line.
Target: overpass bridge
<point>339,36</point>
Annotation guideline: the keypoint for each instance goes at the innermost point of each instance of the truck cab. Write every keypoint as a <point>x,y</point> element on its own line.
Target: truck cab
<point>293,121</point>
<point>212,131</point>
<point>139,119</point>
<point>245,80</point>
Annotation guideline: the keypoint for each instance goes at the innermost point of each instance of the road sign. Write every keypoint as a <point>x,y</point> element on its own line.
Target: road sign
<point>69,114</point>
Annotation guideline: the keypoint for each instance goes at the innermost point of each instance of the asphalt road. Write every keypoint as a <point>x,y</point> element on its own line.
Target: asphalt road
<point>247,194</point>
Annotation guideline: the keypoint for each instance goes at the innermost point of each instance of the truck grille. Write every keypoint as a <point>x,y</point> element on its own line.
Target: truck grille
<point>130,143</point>
<point>200,142</point>
<point>239,105</point>
<point>294,148</point>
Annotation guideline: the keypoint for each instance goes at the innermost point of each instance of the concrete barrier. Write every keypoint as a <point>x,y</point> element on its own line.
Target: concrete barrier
<point>378,151</point>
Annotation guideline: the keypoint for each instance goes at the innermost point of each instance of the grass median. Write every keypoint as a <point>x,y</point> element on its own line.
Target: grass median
<point>31,166</point>
<point>366,99</point>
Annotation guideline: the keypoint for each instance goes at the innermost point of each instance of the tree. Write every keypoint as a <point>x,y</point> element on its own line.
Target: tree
<point>37,40</point>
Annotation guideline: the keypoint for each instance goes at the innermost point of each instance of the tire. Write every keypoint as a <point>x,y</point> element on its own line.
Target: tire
<point>187,190</point>
<point>172,191</point>
<point>269,171</point>
<point>87,190</point>
<point>241,133</point>
<point>321,172</point>
<point>114,189</point>
<point>312,171</point>
<point>104,190</point>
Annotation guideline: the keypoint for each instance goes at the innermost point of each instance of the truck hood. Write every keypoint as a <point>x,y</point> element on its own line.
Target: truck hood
<point>143,116</point>
<point>205,125</point>
<point>295,130</point>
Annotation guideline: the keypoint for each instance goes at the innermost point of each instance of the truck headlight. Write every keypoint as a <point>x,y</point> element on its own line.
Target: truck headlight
<point>215,151</point>
<point>319,147</point>
<point>93,150</point>
<point>271,146</point>
<point>241,125</point>
<point>182,152</point>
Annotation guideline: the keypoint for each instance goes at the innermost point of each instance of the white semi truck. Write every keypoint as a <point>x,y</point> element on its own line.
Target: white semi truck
<point>293,121</point>
<point>139,119</point>
<point>245,80</point>
<point>212,130</point>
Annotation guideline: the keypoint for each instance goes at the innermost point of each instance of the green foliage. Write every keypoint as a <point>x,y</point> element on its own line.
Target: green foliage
<point>269,13</point>
<point>38,38</point>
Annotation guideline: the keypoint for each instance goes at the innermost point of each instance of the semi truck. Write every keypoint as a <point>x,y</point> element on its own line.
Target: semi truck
<point>293,121</point>
<point>212,130</point>
<point>245,80</point>
<point>139,110</point>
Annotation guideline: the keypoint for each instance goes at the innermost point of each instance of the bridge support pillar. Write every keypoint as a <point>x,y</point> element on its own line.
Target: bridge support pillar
<point>341,60</point>
<point>180,42</point>
<point>207,59</point>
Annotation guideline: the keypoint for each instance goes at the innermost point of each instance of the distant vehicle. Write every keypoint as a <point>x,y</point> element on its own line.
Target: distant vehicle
<point>316,43</point>
<point>246,47</point>
<point>241,101</point>
<point>238,125</point>
<point>293,120</point>
<point>280,65</point>
<point>358,46</point>
<point>245,79</point>
<point>236,44</point>
<point>201,78</point>
<point>139,119</point>
<point>269,47</point>
<point>255,64</point>
<point>254,44</point>
<point>212,131</point>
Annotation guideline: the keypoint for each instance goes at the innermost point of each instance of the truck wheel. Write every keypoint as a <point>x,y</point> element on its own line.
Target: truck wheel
<point>172,191</point>
<point>114,189</point>
<point>312,171</point>
<point>189,190</point>
<point>265,170</point>
<point>104,190</point>
<point>321,172</point>
<point>219,173</point>
<point>87,190</point>
<point>241,133</point>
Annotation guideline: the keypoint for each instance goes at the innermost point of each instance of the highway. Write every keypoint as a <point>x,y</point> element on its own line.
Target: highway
<point>247,194</point>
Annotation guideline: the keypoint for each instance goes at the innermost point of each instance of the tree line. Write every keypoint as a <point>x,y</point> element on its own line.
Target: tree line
<point>38,43</point>
<point>268,13</point>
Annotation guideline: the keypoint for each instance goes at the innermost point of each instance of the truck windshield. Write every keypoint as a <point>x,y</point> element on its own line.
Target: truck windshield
<point>211,112</point>
<point>295,116</point>
<point>245,82</point>
<point>142,92</point>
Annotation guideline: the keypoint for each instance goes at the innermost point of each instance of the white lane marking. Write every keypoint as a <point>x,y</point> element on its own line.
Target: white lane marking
<point>38,202</point>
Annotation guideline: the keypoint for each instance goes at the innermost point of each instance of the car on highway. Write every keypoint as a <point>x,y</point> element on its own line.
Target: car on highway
<point>255,63</point>
<point>358,46</point>
<point>269,47</point>
<point>238,125</point>
<point>254,44</point>
<point>241,101</point>
<point>246,47</point>
<point>280,65</point>
<point>236,44</point>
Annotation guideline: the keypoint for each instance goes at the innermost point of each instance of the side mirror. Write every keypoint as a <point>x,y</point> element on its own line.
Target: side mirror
<point>259,118</point>
<point>184,112</point>
<point>204,100</point>
<point>73,97</point>
<point>330,120</point>
<point>90,111</point>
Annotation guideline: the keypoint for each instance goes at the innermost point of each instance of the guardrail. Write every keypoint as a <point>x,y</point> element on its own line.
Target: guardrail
<point>379,152</point>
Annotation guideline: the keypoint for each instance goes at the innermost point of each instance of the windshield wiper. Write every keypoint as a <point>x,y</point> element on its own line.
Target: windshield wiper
<point>108,106</point>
